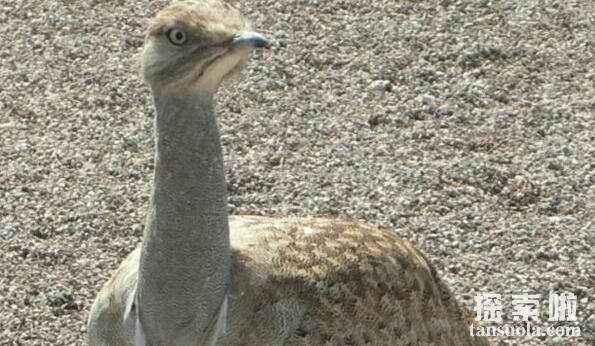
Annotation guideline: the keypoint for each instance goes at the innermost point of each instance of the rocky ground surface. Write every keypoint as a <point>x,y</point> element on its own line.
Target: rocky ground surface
<point>466,126</point>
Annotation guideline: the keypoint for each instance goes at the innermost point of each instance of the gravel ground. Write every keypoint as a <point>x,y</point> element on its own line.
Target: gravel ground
<point>466,126</point>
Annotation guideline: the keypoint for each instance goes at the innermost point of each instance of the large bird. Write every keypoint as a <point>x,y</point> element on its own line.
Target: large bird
<point>203,278</point>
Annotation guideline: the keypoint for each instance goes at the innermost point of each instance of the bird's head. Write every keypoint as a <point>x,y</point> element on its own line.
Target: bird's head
<point>195,45</point>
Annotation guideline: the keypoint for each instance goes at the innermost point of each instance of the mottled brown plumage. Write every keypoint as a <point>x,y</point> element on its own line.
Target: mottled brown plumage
<point>259,281</point>
<point>334,282</point>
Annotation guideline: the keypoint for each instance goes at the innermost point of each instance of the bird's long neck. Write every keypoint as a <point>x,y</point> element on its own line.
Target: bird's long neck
<point>185,263</point>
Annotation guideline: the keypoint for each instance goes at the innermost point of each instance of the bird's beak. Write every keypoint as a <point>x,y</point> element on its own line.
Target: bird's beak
<point>250,38</point>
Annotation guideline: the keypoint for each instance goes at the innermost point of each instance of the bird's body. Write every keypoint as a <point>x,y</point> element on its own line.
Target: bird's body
<point>199,278</point>
<point>302,281</point>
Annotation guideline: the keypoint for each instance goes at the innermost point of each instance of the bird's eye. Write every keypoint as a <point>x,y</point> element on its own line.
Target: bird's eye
<point>176,36</point>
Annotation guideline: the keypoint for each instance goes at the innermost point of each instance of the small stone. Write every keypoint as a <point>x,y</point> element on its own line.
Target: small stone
<point>275,160</point>
<point>547,254</point>
<point>381,85</point>
<point>88,4</point>
<point>280,34</point>
<point>427,100</point>
<point>374,120</point>
<point>60,299</point>
<point>554,165</point>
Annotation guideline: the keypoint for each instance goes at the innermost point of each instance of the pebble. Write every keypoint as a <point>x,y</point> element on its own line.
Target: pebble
<point>381,85</point>
<point>427,100</point>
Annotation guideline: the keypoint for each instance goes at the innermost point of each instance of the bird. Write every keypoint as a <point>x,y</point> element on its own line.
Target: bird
<point>202,277</point>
